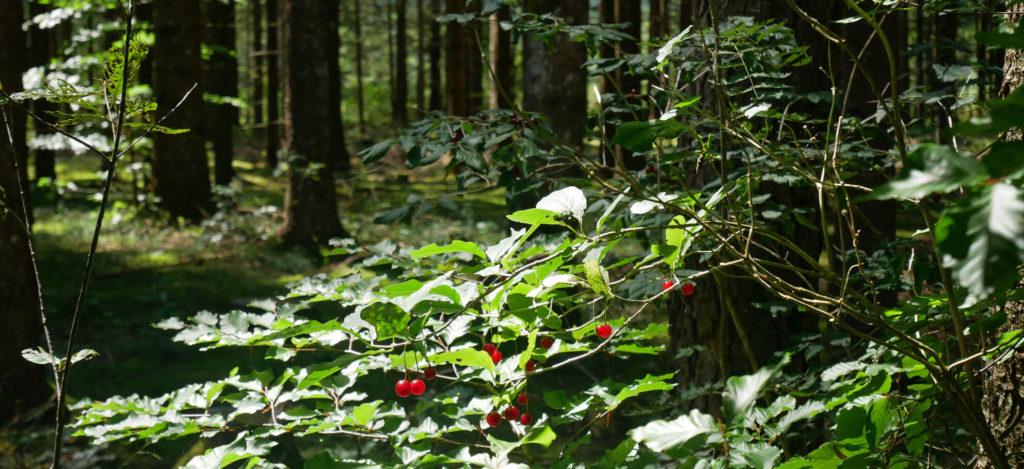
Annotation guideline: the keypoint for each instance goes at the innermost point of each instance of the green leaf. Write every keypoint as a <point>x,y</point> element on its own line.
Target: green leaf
<point>543,436</point>
<point>465,357</point>
<point>597,277</point>
<point>661,435</point>
<point>932,168</point>
<point>1005,160</point>
<point>1001,40</point>
<point>982,239</point>
<point>386,318</point>
<point>741,391</point>
<point>567,201</point>
<point>679,238</point>
<point>757,455</point>
<point>639,137</point>
<point>363,413</point>
<point>535,216</point>
<point>646,384</point>
<point>376,152</point>
<point>455,246</point>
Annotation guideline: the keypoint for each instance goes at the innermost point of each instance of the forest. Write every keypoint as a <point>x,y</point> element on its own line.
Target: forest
<point>511,233</point>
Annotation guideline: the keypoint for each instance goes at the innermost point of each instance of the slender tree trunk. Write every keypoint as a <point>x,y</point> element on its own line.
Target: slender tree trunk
<point>359,67</point>
<point>311,210</point>
<point>21,382</point>
<point>945,36</point>
<point>1002,388</point>
<point>258,59</point>
<point>273,57</point>
<point>42,48</point>
<point>474,63</point>
<point>339,153</point>
<point>222,81</point>
<point>399,115</point>
<point>456,71</point>
<point>181,175</point>
<point>421,66</point>
<point>434,51</point>
<point>502,91</point>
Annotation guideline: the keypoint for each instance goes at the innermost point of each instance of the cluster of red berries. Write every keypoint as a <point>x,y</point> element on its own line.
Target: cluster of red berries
<point>493,351</point>
<point>404,387</point>
<point>687,288</point>
<point>512,413</point>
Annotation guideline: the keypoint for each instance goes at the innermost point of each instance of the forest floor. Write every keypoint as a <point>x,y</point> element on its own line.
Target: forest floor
<point>148,269</point>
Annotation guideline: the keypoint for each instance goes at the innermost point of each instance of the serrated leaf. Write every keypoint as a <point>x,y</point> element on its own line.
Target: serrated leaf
<point>597,277</point>
<point>661,435</point>
<point>535,216</point>
<point>376,152</point>
<point>543,436</point>
<point>932,168</point>
<point>465,357</point>
<point>567,201</point>
<point>639,137</point>
<point>386,318</point>
<point>646,384</point>
<point>757,455</point>
<point>741,391</point>
<point>455,246</point>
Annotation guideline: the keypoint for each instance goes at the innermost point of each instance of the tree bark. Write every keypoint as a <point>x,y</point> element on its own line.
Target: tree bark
<point>181,175</point>
<point>311,211</point>
<point>434,51</point>
<point>1002,389</point>
<point>474,63</point>
<point>421,65</point>
<point>273,56</point>
<point>221,80</point>
<point>258,59</point>
<point>502,91</point>
<point>456,70</point>
<point>554,82</point>
<point>399,115</point>
<point>359,66</point>
<point>42,48</point>
<point>339,152</point>
<point>21,382</point>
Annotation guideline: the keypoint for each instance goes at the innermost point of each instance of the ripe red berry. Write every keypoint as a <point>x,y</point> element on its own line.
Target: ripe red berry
<point>526,419</point>
<point>403,388</point>
<point>416,387</point>
<point>496,356</point>
<point>512,413</point>
<point>530,366</point>
<point>523,398</point>
<point>429,373</point>
<point>687,288</point>
<point>490,349</point>
<point>667,285</point>
<point>604,331</point>
<point>546,342</point>
<point>493,419</point>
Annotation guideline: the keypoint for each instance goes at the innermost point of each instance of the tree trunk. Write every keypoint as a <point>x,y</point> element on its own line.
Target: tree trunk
<point>221,81</point>
<point>421,65</point>
<point>181,175</point>
<point>273,57</point>
<point>502,91</point>
<point>258,59</point>
<point>359,67</point>
<point>399,116</point>
<point>21,382</point>
<point>456,70</point>
<point>42,48</point>
<point>474,63</point>
<point>1002,389</point>
<point>945,33</point>
<point>311,211</point>
<point>339,152</point>
<point>554,84</point>
<point>434,51</point>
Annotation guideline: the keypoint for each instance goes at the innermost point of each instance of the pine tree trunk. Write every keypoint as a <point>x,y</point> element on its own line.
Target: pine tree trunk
<point>474,63</point>
<point>502,91</point>
<point>421,65</point>
<point>434,52</point>
<point>42,48</point>
<point>221,80</point>
<point>339,153</point>
<point>181,175</point>
<point>272,59</point>
<point>554,84</point>
<point>400,102</point>
<point>21,382</point>
<point>359,66</point>
<point>1002,386</point>
<point>258,59</point>
<point>456,70</point>
<point>311,211</point>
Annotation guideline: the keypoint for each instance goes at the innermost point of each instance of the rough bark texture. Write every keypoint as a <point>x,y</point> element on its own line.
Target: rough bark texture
<point>21,382</point>
<point>554,84</point>
<point>434,52</point>
<point>181,176</point>
<point>421,65</point>
<point>41,49</point>
<point>455,62</point>
<point>474,63</point>
<point>311,211</point>
<point>502,92</point>
<point>399,115</point>
<point>339,152</point>
<point>258,58</point>
<point>273,135</point>
<point>358,26</point>
<point>222,80</point>
<point>1002,385</point>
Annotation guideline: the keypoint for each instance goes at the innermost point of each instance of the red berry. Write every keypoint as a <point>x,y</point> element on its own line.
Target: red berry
<point>530,366</point>
<point>604,331</point>
<point>403,388</point>
<point>526,419</point>
<point>512,413</point>
<point>667,285</point>
<point>490,349</point>
<point>455,138</point>
<point>416,387</point>
<point>496,356</point>
<point>493,419</point>
<point>523,398</point>
<point>687,288</point>
<point>546,342</point>
<point>429,373</point>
